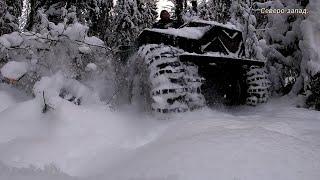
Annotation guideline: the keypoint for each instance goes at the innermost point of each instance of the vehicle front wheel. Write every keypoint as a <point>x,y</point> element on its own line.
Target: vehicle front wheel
<point>162,83</point>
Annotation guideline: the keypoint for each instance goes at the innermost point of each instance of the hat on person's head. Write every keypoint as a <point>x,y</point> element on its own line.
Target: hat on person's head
<point>164,14</point>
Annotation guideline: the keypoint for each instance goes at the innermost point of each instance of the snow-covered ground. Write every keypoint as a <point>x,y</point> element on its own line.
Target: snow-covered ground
<point>274,141</point>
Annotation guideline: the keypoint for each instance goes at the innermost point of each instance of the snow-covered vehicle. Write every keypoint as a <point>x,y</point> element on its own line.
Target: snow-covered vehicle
<point>200,63</point>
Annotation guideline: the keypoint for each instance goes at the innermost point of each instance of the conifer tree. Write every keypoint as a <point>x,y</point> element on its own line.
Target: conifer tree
<point>280,39</point>
<point>10,11</point>
<point>130,18</point>
<point>93,13</point>
<point>217,10</point>
<point>242,16</point>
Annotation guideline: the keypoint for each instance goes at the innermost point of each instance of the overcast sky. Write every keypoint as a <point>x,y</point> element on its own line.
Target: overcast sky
<point>164,4</point>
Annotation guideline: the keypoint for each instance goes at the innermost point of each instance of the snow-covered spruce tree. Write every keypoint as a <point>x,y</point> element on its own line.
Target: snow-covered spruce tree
<point>94,13</point>
<point>216,10</point>
<point>280,42</point>
<point>310,48</point>
<point>10,10</point>
<point>195,9</point>
<point>205,10</point>
<point>64,47</point>
<point>55,10</point>
<point>191,12</point>
<point>149,12</point>
<point>130,18</point>
<point>125,22</point>
<point>257,78</point>
<point>242,16</point>
<point>100,18</point>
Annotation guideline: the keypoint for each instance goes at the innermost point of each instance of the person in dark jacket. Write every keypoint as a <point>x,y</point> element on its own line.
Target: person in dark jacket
<point>165,21</point>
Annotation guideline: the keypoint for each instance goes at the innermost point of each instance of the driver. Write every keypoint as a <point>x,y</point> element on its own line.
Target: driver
<point>165,21</point>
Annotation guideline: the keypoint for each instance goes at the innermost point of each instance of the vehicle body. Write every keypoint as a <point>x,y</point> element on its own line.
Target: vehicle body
<point>215,52</point>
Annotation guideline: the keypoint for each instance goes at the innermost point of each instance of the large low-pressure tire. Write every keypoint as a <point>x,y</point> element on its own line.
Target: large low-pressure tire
<point>313,100</point>
<point>162,82</point>
<point>258,85</point>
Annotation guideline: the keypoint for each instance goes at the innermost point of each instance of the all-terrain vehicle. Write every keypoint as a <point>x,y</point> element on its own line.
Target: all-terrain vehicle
<point>202,62</point>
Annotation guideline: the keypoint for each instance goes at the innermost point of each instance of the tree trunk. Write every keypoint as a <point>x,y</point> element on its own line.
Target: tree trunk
<point>32,15</point>
<point>179,10</point>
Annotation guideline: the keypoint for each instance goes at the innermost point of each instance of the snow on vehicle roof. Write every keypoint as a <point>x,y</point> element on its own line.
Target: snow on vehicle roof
<point>221,55</point>
<point>194,32</point>
<point>213,54</point>
<point>187,32</point>
<point>214,23</point>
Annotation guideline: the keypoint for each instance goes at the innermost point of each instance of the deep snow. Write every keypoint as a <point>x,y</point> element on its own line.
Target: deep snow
<point>272,141</point>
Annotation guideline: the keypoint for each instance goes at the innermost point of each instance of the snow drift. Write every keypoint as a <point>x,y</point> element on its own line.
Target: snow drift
<point>273,141</point>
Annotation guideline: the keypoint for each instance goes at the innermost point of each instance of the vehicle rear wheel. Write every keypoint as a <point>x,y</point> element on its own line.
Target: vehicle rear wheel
<point>258,86</point>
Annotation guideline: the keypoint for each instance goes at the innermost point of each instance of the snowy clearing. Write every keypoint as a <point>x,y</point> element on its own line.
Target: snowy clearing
<point>272,141</point>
